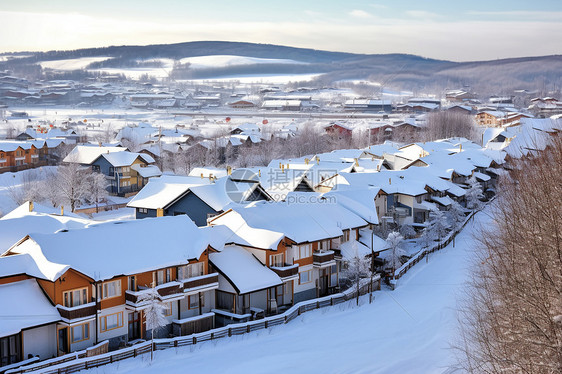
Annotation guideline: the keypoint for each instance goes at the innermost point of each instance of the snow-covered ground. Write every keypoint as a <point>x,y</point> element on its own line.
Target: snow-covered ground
<point>11,186</point>
<point>71,64</point>
<point>404,331</point>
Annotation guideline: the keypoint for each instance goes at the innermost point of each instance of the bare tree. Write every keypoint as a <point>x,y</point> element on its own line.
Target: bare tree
<point>394,240</point>
<point>510,322</point>
<point>448,124</point>
<point>70,184</point>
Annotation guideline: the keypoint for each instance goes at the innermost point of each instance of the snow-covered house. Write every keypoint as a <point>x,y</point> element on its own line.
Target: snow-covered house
<point>127,172</point>
<point>198,197</point>
<point>282,235</point>
<point>96,279</point>
<point>28,326</point>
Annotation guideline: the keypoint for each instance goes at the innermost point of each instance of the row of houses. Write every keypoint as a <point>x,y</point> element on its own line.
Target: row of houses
<point>224,246</point>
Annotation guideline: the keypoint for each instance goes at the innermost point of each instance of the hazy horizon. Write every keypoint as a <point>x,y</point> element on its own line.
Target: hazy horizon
<point>440,30</point>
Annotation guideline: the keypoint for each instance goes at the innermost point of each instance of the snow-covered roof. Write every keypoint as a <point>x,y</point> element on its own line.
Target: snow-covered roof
<point>16,228</point>
<point>119,159</point>
<point>243,270</point>
<point>206,172</point>
<point>353,248</point>
<point>10,146</point>
<point>160,192</point>
<point>300,222</point>
<point>378,243</point>
<point>24,305</point>
<point>360,201</point>
<point>147,171</point>
<point>86,154</point>
<point>99,253</point>
<point>19,264</point>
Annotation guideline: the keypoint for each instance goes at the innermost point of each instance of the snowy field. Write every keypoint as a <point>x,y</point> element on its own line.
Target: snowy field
<point>71,64</point>
<point>404,331</point>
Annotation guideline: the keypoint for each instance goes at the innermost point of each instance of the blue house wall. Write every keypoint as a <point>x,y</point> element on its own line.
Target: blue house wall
<point>104,165</point>
<point>190,204</point>
<point>193,206</point>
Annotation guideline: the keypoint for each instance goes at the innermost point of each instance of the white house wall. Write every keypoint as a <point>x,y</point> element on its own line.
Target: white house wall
<point>40,341</point>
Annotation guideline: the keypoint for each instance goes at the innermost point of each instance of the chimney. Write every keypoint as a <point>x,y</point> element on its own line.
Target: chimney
<point>287,166</point>
<point>306,161</point>
<point>62,210</point>
<point>460,147</point>
<point>228,170</point>
<point>259,173</point>
<point>356,162</point>
<point>159,212</point>
<point>389,180</point>
<point>31,206</point>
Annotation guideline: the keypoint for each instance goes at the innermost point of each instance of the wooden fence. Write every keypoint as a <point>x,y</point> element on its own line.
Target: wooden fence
<point>77,361</point>
<point>421,254</point>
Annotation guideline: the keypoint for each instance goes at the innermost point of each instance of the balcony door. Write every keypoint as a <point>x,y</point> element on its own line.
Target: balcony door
<point>62,341</point>
<point>323,282</point>
<point>134,326</point>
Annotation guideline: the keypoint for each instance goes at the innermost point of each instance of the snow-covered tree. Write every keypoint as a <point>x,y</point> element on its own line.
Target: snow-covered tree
<point>394,240</point>
<point>474,194</point>
<point>407,231</point>
<point>456,216</point>
<point>358,267</point>
<point>153,313</point>
<point>436,228</point>
<point>96,188</point>
<point>69,182</point>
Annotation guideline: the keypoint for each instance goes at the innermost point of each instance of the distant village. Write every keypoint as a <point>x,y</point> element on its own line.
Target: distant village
<point>246,200</point>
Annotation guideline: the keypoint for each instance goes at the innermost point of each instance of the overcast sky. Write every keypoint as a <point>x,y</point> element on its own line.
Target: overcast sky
<point>452,30</point>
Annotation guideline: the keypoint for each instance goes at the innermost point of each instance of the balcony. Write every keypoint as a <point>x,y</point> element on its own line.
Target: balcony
<point>70,314</point>
<point>286,272</point>
<point>200,284</point>
<point>322,259</point>
<point>168,292</point>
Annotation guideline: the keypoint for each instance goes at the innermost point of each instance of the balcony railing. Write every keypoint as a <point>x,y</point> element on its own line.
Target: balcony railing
<point>166,291</point>
<point>323,258</point>
<point>191,284</point>
<point>77,312</point>
<point>175,289</point>
<point>286,271</point>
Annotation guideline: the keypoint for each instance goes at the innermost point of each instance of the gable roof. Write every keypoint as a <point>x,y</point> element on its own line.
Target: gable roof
<point>24,305</point>
<point>98,251</point>
<point>86,154</point>
<point>244,271</point>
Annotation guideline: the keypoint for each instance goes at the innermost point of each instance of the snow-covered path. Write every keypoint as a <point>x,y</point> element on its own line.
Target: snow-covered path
<point>404,331</point>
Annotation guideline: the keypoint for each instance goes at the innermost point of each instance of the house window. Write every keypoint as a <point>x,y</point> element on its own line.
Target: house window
<point>10,349</point>
<point>190,271</point>
<point>194,302</point>
<point>345,236</point>
<point>276,260</point>
<point>158,277</point>
<point>111,289</point>
<point>96,168</point>
<point>75,297</point>
<point>143,210</point>
<point>324,245</point>
<point>305,277</point>
<point>80,333</point>
<point>305,250</point>
<point>111,321</point>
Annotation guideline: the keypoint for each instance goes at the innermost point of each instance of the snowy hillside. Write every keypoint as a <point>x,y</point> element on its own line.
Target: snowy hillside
<point>71,64</point>
<point>404,331</point>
